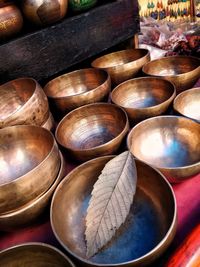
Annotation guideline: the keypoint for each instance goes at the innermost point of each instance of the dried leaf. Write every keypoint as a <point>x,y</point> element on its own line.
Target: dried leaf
<point>111,200</point>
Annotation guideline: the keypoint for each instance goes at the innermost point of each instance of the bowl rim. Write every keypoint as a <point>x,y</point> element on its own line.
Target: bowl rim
<point>35,201</point>
<point>38,165</point>
<point>173,224</point>
<point>167,58</point>
<point>122,133</point>
<point>147,54</point>
<point>36,86</point>
<point>177,99</point>
<point>170,98</point>
<point>153,118</point>
<point>38,244</point>
<point>107,80</point>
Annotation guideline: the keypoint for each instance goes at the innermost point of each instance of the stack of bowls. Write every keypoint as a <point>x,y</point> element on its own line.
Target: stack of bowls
<point>31,167</point>
<point>22,101</point>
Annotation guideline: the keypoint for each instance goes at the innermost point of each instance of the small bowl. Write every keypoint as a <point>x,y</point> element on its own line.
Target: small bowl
<point>183,71</point>
<point>50,123</point>
<point>147,232</point>
<point>123,65</point>
<point>34,255</point>
<point>78,88</point>
<point>93,130</point>
<point>44,12</point>
<point>25,215</point>
<point>188,104</point>
<point>169,143</point>
<point>144,97</point>
<point>22,101</point>
<point>30,161</point>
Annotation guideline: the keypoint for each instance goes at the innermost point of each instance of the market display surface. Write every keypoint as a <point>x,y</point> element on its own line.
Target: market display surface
<point>101,166</point>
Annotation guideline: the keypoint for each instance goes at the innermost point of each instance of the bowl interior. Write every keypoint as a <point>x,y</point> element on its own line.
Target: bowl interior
<point>171,66</point>
<point>33,256</point>
<point>142,93</point>
<point>75,83</point>
<point>14,94</point>
<point>91,126</point>
<point>149,219</point>
<point>119,58</point>
<point>22,148</point>
<point>166,142</point>
<point>188,103</point>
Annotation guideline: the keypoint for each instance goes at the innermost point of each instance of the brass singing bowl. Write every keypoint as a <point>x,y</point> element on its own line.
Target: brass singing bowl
<point>50,123</point>
<point>34,255</point>
<point>42,12</point>
<point>93,130</point>
<point>169,143</point>
<point>22,101</point>
<point>123,65</point>
<point>183,71</point>
<point>146,233</point>
<point>29,164</point>
<point>11,20</point>
<point>78,88</point>
<point>28,213</point>
<point>188,104</point>
<point>144,97</point>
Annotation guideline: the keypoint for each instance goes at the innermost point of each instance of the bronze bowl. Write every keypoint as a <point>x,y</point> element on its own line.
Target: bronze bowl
<point>147,232</point>
<point>123,65</point>
<point>29,160</point>
<point>188,104</point>
<point>11,20</point>
<point>144,97</point>
<point>78,88</point>
<point>93,130</point>
<point>49,124</point>
<point>22,101</point>
<point>183,71</point>
<point>28,213</point>
<point>169,143</point>
<point>44,12</point>
<point>34,255</point>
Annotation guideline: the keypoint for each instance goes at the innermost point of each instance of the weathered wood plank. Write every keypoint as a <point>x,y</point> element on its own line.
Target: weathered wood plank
<point>51,50</point>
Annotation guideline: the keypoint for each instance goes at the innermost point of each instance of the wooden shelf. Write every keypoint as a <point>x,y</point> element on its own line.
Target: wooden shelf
<point>51,50</point>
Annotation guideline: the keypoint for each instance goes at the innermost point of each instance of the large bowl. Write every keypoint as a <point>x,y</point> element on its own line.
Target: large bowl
<point>25,215</point>
<point>34,255</point>
<point>78,88</point>
<point>93,130</point>
<point>144,97</point>
<point>29,164</point>
<point>169,143</point>
<point>22,101</point>
<point>123,65</point>
<point>147,232</point>
<point>183,71</point>
<point>188,104</point>
<point>50,123</point>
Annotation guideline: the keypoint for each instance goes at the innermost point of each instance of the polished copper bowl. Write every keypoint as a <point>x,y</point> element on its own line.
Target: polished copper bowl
<point>22,101</point>
<point>93,130</point>
<point>49,124</point>
<point>11,20</point>
<point>78,88</point>
<point>123,65</point>
<point>144,97</point>
<point>29,160</point>
<point>188,104</point>
<point>44,12</point>
<point>183,71</point>
<point>34,255</point>
<point>147,232</point>
<point>28,213</point>
<point>169,143</point>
